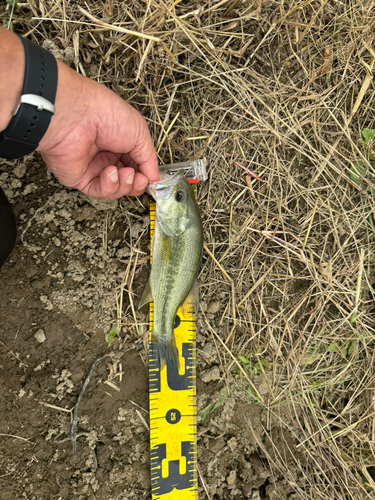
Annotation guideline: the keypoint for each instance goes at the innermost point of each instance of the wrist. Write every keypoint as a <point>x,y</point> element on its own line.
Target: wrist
<point>74,97</point>
<point>35,107</point>
<point>12,64</point>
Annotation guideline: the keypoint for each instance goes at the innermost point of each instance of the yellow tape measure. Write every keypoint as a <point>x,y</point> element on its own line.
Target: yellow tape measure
<point>173,422</point>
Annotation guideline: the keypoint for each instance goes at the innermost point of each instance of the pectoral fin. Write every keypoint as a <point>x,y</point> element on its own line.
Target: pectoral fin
<point>191,301</point>
<point>146,295</point>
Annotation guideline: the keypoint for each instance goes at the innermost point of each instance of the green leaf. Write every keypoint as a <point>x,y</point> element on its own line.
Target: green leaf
<point>257,370</point>
<point>111,335</point>
<point>371,221</point>
<point>353,317</point>
<point>250,391</point>
<point>243,360</point>
<point>356,171</point>
<point>212,406</point>
<point>264,363</point>
<point>353,346</point>
<point>206,411</point>
<point>332,347</point>
<point>368,135</point>
<point>367,339</point>
<point>344,351</point>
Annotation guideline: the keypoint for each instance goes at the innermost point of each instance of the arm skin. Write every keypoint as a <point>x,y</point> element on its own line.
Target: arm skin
<point>12,69</point>
<point>96,142</point>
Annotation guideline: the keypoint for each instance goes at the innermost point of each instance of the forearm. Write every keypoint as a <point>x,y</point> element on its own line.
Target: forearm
<point>12,68</point>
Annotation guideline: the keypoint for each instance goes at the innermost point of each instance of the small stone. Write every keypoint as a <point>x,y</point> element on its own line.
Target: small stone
<point>263,389</point>
<point>215,445</point>
<point>228,410</point>
<point>84,213</point>
<point>94,70</point>
<point>135,229</point>
<point>16,184</point>
<point>52,47</point>
<point>203,306</point>
<point>68,56</point>
<point>123,252</point>
<point>40,336</point>
<point>49,217</point>
<point>64,213</point>
<point>20,170</point>
<point>47,302</point>
<point>213,307</point>
<point>90,253</point>
<point>211,374</point>
<point>209,353</point>
<point>21,393</point>
<point>146,221</point>
<point>29,189</point>
<point>100,252</point>
<point>31,271</point>
<point>103,203</point>
<point>232,443</point>
<point>231,479</point>
<point>123,414</point>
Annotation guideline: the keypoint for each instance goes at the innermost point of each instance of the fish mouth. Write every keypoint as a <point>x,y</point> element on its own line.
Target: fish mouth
<point>161,190</point>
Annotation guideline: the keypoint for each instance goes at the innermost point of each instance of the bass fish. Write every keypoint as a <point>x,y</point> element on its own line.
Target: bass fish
<point>176,254</point>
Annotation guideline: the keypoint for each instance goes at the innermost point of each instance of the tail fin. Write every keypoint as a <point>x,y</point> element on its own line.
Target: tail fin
<point>165,353</point>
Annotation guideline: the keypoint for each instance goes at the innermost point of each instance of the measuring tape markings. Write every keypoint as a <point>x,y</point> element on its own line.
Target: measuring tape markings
<point>173,413</point>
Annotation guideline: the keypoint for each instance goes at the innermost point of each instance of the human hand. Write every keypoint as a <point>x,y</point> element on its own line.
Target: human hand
<point>96,142</point>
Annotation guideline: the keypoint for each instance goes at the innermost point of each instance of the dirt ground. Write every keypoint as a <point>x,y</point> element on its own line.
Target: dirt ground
<point>57,301</point>
<point>285,332</point>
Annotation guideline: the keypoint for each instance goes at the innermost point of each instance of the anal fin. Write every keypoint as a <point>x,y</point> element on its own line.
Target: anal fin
<point>146,295</point>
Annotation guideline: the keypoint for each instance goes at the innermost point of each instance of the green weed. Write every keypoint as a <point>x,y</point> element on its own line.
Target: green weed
<point>111,335</point>
<point>357,173</point>
<point>12,3</point>
<point>223,396</point>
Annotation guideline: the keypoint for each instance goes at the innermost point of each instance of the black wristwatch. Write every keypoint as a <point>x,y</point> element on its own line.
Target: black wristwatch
<point>34,113</point>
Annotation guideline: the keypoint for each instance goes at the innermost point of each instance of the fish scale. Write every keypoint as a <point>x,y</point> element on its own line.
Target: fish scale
<point>167,296</point>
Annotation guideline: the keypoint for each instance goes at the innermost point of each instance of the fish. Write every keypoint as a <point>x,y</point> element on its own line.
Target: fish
<point>176,249</point>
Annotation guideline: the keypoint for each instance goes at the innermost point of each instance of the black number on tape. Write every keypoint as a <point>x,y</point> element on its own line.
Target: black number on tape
<point>173,416</point>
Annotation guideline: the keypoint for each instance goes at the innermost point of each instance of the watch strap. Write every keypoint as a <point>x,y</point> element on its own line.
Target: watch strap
<point>34,113</point>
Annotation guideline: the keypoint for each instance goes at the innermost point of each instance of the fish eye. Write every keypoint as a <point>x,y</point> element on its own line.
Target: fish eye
<point>180,196</point>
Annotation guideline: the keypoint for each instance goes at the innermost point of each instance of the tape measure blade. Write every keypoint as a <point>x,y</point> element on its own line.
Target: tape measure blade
<point>173,423</point>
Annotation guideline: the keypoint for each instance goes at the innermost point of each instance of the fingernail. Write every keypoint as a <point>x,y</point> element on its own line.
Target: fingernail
<point>129,180</point>
<point>114,175</point>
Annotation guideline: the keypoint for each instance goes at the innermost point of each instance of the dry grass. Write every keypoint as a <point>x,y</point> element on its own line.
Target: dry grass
<point>285,88</point>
